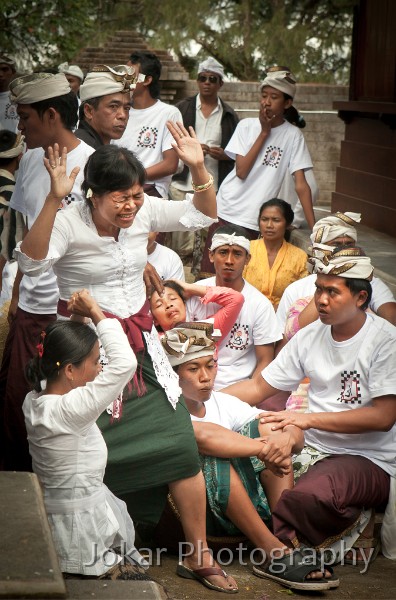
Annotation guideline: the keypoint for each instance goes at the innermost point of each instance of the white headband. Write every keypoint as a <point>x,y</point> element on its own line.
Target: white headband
<point>71,70</point>
<point>212,65</point>
<point>189,341</point>
<point>103,80</point>
<point>29,89</point>
<point>17,148</point>
<point>222,239</point>
<point>334,226</point>
<point>349,262</point>
<point>284,81</point>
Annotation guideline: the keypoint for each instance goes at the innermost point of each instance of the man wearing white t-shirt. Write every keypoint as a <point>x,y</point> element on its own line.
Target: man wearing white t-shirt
<point>165,260</point>
<point>146,133</point>
<point>47,110</point>
<point>249,346</point>
<point>264,150</point>
<point>350,357</point>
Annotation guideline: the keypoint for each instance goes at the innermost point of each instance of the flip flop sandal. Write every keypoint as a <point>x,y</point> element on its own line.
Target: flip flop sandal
<point>201,575</point>
<point>293,574</point>
<point>372,543</point>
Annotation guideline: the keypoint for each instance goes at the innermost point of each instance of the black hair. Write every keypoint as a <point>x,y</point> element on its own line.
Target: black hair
<point>7,141</point>
<point>64,342</point>
<point>173,285</point>
<point>169,283</point>
<point>292,115</point>
<point>94,102</point>
<point>358,285</point>
<point>111,168</point>
<point>285,209</point>
<point>66,105</point>
<point>149,65</point>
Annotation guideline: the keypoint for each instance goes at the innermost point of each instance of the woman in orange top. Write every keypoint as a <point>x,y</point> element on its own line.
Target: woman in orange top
<point>274,262</point>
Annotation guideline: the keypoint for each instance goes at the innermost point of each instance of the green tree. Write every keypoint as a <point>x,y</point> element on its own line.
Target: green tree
<point>312,37</point>
<point>45,32</point>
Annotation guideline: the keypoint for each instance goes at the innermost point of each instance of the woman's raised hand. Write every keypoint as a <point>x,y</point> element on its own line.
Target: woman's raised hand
<point>61,183</point>
<point>187,146</point>
<point>83,304</point>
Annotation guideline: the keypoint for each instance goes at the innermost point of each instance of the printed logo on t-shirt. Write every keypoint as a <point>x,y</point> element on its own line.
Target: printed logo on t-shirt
<point>11,112</point>
<point>350,387</point>
<point>147,137</point>
<point>272,156</point>
<point>239,337</point>
<point>66,201</point>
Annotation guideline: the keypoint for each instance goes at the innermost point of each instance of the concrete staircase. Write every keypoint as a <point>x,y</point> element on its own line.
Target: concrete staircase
<point>116,51</point>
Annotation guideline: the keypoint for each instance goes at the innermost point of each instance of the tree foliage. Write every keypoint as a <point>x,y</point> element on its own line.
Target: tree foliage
<point>312,37</point>
<point>45,32</point>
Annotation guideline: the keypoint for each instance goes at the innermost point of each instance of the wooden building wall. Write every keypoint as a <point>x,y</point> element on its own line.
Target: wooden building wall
<point>366,177</point>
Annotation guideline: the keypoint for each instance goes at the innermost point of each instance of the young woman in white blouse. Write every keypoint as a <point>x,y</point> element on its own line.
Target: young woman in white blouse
<point>68,451</point>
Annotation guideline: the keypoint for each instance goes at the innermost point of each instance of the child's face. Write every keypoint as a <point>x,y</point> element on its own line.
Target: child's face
<point>273,102</point>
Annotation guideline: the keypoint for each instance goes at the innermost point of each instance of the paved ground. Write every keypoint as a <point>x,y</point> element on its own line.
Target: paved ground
<point>379,583</point>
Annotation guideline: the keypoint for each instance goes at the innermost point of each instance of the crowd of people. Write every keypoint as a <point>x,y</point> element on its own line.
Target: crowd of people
<point>258,400</point>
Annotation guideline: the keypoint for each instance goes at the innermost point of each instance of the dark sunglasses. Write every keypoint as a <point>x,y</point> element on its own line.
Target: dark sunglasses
<point>210,78</point>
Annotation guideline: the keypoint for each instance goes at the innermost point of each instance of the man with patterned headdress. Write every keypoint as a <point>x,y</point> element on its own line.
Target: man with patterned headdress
<point>105,104</point>
<point>349,458</point>
<point>337,229</point>
<point>264,150</point>
<point>8,113</point>
<point>47,110</point>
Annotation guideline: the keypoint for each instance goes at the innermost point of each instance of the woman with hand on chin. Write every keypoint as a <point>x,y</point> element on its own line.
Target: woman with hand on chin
<point>101,244</point>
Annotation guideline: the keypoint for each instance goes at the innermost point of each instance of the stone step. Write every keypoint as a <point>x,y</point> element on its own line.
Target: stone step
<point>114,590</point>
<point>29,565</point>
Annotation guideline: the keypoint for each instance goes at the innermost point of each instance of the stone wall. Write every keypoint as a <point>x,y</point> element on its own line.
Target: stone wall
<point>324,130</point>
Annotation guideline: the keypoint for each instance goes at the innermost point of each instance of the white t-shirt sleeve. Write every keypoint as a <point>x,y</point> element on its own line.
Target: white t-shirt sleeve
<point>381,294</point>
<point>167,139</point>
<point>300,157</point>
<point>285,372</point>
<point>237,143</point>
<point>266,328</point>
<point>239,412</point>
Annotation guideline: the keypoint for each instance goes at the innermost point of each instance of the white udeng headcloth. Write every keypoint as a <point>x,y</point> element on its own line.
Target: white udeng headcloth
<point>15,150</point>
<point>349,262</point>
<point>223,239</point>
<point>29,89</point>
<point>103,80</point>
<point>334,226</point>
<point>189,341</point>
<point>284,81</point>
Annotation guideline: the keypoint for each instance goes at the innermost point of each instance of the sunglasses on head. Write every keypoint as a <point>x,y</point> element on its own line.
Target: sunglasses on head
<point>210,78</point>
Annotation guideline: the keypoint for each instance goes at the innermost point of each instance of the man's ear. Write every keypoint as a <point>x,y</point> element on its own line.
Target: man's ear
<point>211,256</point>
<point>288,103</point>
<point>248,257</point>
<point>148,80</point>
<point>221,82</point>
<point>52,114</point>
<point>88,111</point>
<point>362,297</point>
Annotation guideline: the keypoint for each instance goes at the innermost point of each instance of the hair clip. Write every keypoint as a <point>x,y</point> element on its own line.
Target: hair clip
<point>58,363</point>
<point>89,194</point>
<point>40,349</point>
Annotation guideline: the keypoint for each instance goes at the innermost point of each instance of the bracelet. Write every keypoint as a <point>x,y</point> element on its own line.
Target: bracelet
<point>203,187</point>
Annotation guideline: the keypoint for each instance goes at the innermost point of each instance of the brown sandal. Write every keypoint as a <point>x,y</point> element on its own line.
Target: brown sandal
<point>201,575</point>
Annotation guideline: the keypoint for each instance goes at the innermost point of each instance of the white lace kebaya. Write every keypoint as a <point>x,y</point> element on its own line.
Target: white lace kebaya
<point>112,271</point>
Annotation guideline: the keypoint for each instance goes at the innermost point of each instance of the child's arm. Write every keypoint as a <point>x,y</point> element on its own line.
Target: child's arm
<point>303,192</point>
